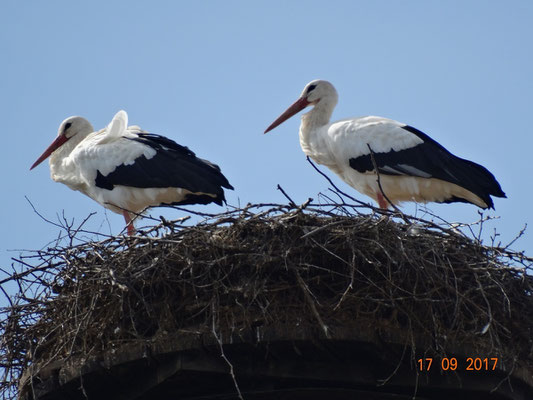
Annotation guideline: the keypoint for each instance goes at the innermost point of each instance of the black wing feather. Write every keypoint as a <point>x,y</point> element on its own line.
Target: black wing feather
<point>173,165</point>
<point>431,160</point>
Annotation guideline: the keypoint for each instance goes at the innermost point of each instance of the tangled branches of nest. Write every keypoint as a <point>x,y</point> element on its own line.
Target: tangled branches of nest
<point>281,271</point>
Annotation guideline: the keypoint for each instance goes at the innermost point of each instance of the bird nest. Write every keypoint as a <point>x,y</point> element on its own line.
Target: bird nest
<point>322,272</point>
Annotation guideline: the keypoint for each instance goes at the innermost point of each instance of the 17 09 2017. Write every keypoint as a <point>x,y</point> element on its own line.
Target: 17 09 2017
<point>452,364</point>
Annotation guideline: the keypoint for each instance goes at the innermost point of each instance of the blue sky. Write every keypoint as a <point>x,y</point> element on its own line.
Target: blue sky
<point>213,75</point>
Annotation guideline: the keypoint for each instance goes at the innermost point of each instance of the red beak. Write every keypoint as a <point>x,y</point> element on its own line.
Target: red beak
<point>60,140</point>
<point>297,106</point>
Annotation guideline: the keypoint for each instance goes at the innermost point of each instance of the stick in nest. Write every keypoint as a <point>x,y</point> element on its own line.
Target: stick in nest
<point>223,355</point>
<point>291,202</point>
<point>335,186</point>
<point>381,188</point>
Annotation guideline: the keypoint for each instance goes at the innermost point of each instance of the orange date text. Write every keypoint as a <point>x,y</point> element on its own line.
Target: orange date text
<point>452,364</point>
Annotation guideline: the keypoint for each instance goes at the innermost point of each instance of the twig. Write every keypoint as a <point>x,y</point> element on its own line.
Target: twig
<point>223,355</point>
<point>335,186</point>
<point>40,215</point>
<point>291,202</point>
<point>381,188</point>
<point>321,228</point>
<point>306,291</point>
<point>7,296</point>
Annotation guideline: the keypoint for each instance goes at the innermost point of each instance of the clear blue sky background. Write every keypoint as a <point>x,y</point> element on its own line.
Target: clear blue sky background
<point>213,75</point>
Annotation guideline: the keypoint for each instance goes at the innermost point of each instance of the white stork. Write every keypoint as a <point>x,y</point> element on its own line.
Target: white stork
<point>127,170</point>
<point>411,165</point>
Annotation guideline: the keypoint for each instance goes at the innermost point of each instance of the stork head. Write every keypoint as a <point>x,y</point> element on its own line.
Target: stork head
<point>69,128</point>
<point>317,92</point>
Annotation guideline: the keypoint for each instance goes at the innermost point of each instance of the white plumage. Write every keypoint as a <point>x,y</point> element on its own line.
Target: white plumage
<point>411,165</point>
<point>126,169</point>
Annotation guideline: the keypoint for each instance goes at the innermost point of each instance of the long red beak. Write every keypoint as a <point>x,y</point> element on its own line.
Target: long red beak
<point>297,106</point>
<point>60,140</point>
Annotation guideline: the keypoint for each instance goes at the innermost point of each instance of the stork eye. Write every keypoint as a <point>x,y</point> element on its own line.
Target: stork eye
<point>310,88</point>
<point>67,125</point>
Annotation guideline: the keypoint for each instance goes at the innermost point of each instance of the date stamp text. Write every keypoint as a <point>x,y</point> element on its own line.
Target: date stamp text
<point>453,364</point>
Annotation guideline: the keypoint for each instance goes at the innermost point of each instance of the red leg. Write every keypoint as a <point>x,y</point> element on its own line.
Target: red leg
<point>129,223</point>
<point>382,202</point>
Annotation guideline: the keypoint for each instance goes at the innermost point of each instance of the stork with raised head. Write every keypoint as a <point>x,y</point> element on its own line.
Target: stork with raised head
<point>127,170</point>
<point>411,165</point>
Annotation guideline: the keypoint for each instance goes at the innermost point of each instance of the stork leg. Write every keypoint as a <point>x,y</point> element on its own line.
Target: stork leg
<point>129,223</point>
<point>382,202</point>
